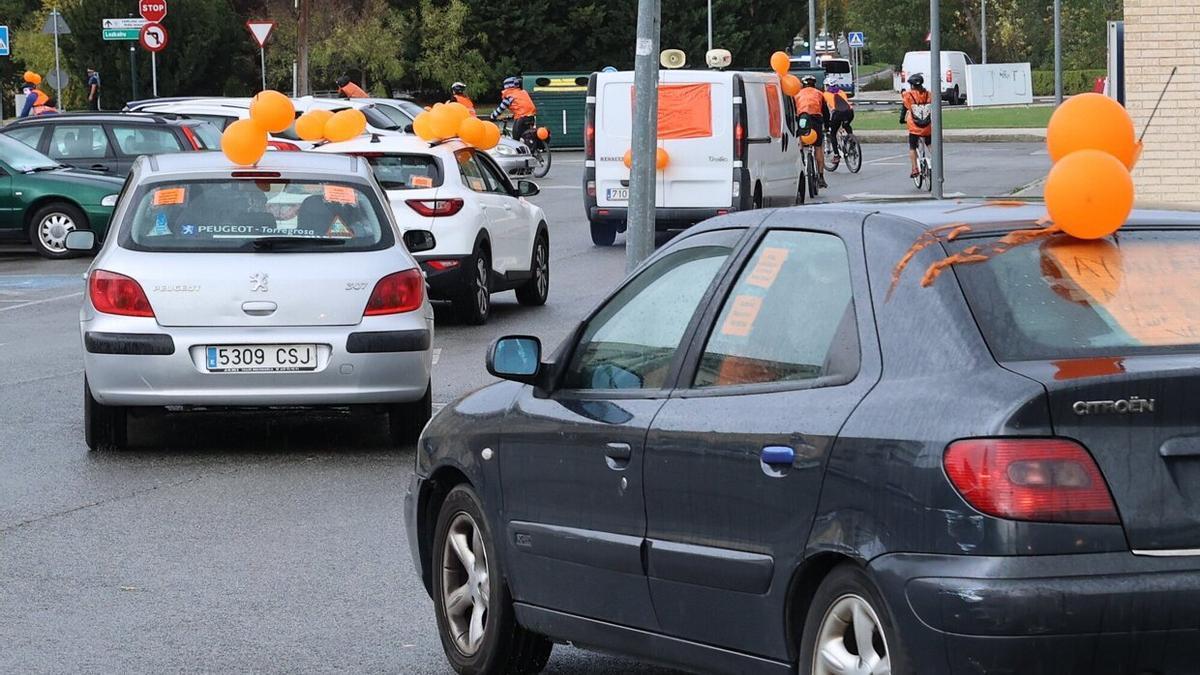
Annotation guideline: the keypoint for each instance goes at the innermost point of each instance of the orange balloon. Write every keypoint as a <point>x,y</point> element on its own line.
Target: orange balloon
<point>809,137</point>
<point>492,137</point>
<point>661,159</point>
<point>1089,194</point>
<point>543,134</point>
<point>458,111</point>
<point>1092,122</point>
<point>472,131</point>
<point>311,125</point>
<point>244,142</point>
<point>780,63</point>
<point>791,85</point>
<point>628,159</point>
<point>443,123</point>
<point>272,110</point>
<point>345,124</point>
<point>422,127</point>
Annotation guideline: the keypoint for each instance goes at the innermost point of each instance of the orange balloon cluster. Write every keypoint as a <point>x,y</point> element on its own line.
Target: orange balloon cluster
<point>661,159</point>
<point>245,141</point>
<point>780,63</point>
<point>447,120</point>
<point>791,85</point>
<point>1089,192</point>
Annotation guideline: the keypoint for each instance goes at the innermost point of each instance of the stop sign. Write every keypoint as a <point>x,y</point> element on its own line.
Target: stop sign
<point>153,11</point>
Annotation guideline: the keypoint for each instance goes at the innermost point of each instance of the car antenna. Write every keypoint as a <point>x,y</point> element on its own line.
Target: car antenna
<point>374,138</point>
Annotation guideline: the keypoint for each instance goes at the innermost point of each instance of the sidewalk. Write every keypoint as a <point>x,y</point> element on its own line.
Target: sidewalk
<point>960,136</point>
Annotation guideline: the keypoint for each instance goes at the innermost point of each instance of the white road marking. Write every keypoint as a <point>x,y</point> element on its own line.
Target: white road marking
<point>40,302</point>
<point>884,159</point>
<point>437,354</point>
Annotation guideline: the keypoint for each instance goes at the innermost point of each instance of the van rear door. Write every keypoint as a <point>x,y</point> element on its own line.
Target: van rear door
<point>613,138</point>
<point>695,127</point>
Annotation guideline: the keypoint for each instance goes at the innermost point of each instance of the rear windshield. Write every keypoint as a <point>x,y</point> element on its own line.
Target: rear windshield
<point>836,67</point>
<point>1138,292</point>
<point>405,172</point>
<point>208,135</point>
<point>266,215</point>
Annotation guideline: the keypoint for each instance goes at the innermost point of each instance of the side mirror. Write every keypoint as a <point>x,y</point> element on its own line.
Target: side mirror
<point>516,357</point>
<point>418,241</point>
<point>527,188</point>
<point>408,129</point>
<point>81,240</point>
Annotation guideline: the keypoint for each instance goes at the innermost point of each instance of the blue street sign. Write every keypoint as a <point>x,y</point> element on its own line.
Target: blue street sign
<point>4,45</point>
<point>857,39</point>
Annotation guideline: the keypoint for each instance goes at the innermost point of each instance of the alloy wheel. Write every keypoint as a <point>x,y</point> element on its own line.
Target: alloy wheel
<point>52,231</point>
<point>482,283</point>
<point>466,584</point>
<point>541,270</point>
<point>850,640</point>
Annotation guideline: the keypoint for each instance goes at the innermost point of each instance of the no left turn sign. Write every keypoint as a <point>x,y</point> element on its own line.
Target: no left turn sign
<point>153,37</point>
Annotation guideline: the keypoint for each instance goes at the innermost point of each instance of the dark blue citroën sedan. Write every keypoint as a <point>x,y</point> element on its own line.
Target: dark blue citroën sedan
<point>770,452</point>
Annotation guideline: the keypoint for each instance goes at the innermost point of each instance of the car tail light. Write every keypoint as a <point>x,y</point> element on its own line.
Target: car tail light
<point>589,139</point>
<point>284,146</point>
<point>256,174</point>
<point>1040,479</point>
<point>739,136</point>
<point>114,293</point>
<point>591,188</point>
<point>396,293</point>
<point>949,75</point>
<point>191,137</point>
<point>435,208</point>
<point>442,265</point>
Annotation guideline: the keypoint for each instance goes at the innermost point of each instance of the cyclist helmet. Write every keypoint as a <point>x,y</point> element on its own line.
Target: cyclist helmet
<point>343,81</point>
<point>809,80</point>
<point>458,87</point>
<point>917,80</point>
<point>513,82</point>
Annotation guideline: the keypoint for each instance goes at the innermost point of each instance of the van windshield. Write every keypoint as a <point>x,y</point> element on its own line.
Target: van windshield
<point>1136,293</point>
<point>222,216</point>
<point>836,67</point>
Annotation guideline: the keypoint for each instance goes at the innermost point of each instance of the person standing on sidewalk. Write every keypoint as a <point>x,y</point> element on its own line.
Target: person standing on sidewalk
<point>93,88</point>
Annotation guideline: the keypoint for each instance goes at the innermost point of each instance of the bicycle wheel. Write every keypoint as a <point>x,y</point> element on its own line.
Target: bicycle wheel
<point>831,163</point>
<point>541,156</point>
<point>919,179</point>
<point>852,153</point>
<point>927,171</point>
<point>811,170</point>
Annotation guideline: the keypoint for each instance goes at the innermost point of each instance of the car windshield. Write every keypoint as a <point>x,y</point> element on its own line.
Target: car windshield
<point>1138,292</point>
<point>411,107</point>
<point>836,67</point>
<point>271,214</point>
<point>405,171</point>
<point>23,158</point>
<point>208,135</point>
<point>396,115</point>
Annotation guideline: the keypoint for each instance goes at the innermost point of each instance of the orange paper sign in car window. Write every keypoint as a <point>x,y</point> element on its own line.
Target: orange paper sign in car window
<point>421,181</point>
<point>684,111</point>
<point>340,194</point>
<point>773,115</point>
<point>742,314</point>
<point>770,261</point>
<point>169,196</point>
<point>1151,290</point>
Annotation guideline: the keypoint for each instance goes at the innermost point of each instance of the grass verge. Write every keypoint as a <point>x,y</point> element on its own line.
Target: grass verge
<point>1027,117</point>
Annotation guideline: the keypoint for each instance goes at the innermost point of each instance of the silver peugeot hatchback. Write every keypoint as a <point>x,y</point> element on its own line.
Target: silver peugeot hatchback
<point>287,284</point>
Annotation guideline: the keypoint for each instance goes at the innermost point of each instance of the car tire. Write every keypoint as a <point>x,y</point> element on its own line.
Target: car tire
<point>464,586</point>
<point>534,292</point>
<point>104,426</point>
<point>603,234</point>
<point>49,225</point>
<point>844,601</point>
<point>407,420</point>
<point>474,302</point>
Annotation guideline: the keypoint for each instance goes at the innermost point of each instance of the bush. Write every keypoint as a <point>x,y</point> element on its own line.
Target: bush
<point>1074,81</point>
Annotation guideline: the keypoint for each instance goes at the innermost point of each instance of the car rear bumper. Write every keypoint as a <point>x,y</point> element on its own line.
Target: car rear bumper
<point>664,218</point>
<point>135,362</point>
<point>1093,613</point>
<point>445,284</point>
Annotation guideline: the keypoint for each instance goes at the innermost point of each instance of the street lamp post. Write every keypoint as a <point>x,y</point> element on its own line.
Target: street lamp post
<point>935,85</point>
<point>1058,88</point>
<point>983,29</point>
<point>710,25</point>
<point>639,233</point>
<point>812,33</point>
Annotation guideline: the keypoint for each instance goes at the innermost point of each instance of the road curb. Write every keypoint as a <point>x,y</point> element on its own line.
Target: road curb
<point>961,136</point>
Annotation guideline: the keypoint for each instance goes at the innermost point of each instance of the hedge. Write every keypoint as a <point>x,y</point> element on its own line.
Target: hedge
<point>1074,81</point>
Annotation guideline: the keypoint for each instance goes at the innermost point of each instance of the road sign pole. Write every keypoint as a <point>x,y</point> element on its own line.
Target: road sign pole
<point>133,71</point>
<point>639,234</point>
<point>262,55</point>
<point>154,73</point>
<point>935,87</point>
<point>57,70</point>
<point>812,33</point>
<point>983,29</point>
<point>1058,86</point>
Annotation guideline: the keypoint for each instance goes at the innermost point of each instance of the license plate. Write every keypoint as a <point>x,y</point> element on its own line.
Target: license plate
<point>618,194</point>
<point>260,358</point>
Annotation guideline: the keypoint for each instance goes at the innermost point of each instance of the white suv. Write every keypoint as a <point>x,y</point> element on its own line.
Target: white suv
<point>489,237</point>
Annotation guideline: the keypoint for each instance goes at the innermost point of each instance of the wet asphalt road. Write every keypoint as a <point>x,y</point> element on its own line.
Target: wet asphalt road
<point>266,543</point>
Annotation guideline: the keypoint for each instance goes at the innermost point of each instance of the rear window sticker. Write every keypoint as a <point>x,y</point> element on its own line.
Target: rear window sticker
<point>422,182</point>
<point>340,194</point>
<point>338,229</point>
<point>770,261</point>
<point>188,230</point>
<point>169,196</point>
<point>160,226</point>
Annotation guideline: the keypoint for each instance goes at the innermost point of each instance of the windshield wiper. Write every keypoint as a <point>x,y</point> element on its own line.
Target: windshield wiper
<point>271,243</point>
<point>46,167</point>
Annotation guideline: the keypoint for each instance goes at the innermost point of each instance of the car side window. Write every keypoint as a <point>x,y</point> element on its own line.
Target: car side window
<point>78,141</point>
<point>472,175</point>
<point>145,140</point>
<point>632,341</point>
<point>30,135</point>
<point>789,318</point>
<point>497,182</point>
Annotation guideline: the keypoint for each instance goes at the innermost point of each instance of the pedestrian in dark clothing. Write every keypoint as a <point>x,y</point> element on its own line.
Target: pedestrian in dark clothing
<point>93,87</point>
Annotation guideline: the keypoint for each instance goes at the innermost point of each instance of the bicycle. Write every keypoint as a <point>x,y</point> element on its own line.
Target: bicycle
<point>924,177</point>
<point>851,151</point>
<point>538,149</point>
<point>811,176</point>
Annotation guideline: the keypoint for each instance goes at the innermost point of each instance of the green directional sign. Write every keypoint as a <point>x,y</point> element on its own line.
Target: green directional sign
<point>120,33</point>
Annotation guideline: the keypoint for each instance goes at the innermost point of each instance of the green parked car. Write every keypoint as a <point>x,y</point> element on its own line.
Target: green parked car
<point>42,200</point>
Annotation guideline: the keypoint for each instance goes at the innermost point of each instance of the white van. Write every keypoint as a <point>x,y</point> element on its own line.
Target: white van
<point>730,138</point>
<point>837,71</point>
<point>954,73</point>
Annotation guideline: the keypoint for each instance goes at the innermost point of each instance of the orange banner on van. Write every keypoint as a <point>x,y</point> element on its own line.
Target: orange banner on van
<point>684,111</point>
<point>774,116</point>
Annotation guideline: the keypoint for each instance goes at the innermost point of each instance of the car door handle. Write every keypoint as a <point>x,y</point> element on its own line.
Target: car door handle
<point>259,308</point>
<point>99,167</point>
<point>617,455</point>
<point>776,460</point>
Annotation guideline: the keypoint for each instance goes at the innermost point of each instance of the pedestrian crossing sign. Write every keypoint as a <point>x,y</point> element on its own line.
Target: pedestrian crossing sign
<point>856,39</point>
<point>4,45</point>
